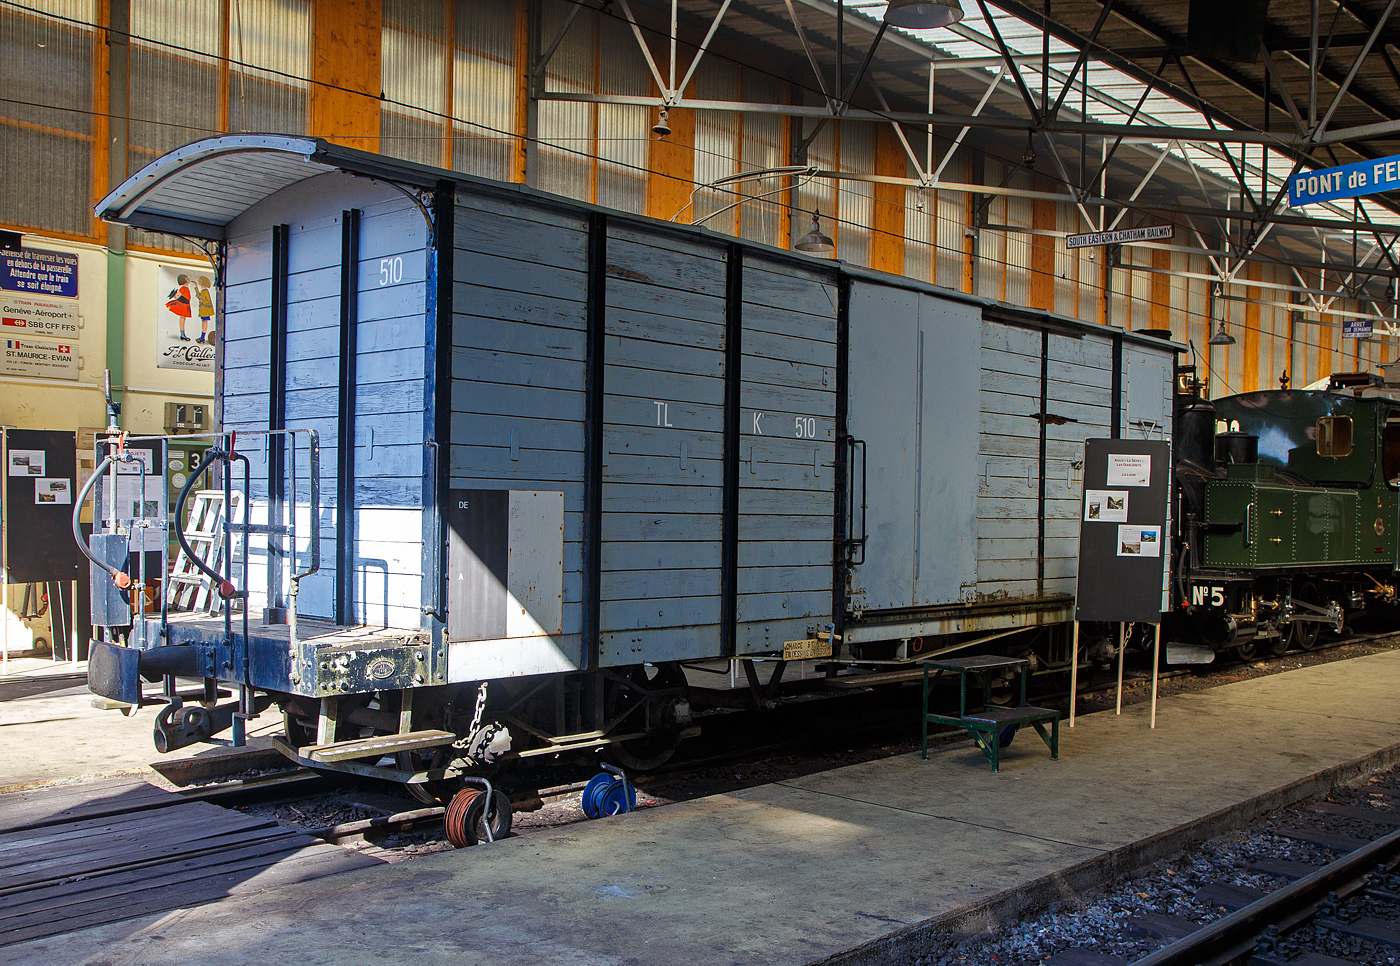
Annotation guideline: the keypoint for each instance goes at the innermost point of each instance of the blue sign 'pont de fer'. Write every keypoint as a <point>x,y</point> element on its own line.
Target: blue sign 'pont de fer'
<point>1347,181</point>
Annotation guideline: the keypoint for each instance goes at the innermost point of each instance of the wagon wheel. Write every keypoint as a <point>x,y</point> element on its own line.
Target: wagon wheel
<point>432,792</point>
<point>655,749</point>
<point>300,731</point>
<point>1304,634</point>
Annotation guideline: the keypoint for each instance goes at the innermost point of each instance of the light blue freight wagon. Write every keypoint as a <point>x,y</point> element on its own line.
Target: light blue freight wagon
<point>495,466</point>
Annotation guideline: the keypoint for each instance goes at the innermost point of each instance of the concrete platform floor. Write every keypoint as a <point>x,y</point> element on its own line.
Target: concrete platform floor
<point>856,865</point>
<point>49,731</point>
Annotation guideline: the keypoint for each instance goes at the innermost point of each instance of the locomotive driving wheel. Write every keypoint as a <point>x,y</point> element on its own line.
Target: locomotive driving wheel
<point>656,748</point>
<point>1304,634</point>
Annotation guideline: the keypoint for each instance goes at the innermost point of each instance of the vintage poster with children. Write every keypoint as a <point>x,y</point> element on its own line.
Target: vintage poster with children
<point>185,330</point>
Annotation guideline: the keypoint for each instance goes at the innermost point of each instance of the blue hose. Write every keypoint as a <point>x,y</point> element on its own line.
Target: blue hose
<point>606,795</point>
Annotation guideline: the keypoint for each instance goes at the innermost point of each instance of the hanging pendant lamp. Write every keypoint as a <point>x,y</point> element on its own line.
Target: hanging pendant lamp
<point>923,14</point>
<point>815,241</point>
<point>1221,337</point>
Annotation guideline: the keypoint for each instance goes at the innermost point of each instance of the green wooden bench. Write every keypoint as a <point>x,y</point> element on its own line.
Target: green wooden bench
<point>988,725</point>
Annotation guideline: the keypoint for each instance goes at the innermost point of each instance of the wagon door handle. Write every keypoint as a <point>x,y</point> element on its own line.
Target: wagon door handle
<point>852,541</point>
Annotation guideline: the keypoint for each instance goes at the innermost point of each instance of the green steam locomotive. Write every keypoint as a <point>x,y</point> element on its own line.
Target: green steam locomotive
<point>1286,513</point>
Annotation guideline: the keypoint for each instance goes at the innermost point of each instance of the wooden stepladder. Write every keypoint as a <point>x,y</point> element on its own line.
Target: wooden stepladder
<point>190,588</point>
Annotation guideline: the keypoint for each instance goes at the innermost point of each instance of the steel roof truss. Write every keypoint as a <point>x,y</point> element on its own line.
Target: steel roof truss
<point>1355,67</point>
<point>1010,62</point>
<point>1287,98</point>
<point>646,51</point>
<point>811,58</point>
<point>1079,63</point>
<point>543,60</point>
<point>704,46</point>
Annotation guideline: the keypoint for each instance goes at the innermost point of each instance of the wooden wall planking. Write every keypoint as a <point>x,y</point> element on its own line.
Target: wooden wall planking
<point>667,485</point>
<point>519,319</point>
<point>672,163</point>
<point>787,457</point>
<point>1042,287</point>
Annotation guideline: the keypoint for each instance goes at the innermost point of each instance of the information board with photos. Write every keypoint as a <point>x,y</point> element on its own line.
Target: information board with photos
<point>40,478</point>
<point>1123,530</point>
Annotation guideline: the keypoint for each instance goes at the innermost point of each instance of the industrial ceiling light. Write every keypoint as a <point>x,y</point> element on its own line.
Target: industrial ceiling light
<point>1221,337</point>
<point>814,241</point>
<point>923,14</point>
<point>662,127</point>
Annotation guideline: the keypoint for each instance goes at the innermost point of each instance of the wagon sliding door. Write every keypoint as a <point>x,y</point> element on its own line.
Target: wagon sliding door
<point>787,454</point>
<point>1042,394</point>
<point>1008,503</point>
<point>663,448</point>
<point>913,404</point>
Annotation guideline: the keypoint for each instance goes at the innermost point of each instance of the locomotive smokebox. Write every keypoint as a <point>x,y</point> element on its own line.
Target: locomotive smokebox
<point>1236,448</point>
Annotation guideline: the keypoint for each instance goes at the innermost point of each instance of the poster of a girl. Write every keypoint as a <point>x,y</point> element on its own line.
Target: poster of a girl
<point>178,302</point>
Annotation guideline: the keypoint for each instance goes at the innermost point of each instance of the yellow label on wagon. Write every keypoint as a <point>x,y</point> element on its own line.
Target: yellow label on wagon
<point>805,649</point>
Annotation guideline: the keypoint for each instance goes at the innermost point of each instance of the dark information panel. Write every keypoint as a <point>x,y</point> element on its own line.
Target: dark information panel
<point>40,486</point>
<point>1123,530</point>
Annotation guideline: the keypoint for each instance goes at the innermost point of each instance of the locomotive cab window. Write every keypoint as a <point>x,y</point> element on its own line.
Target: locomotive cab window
<point>1334,436</point>
<point>1392,451</point>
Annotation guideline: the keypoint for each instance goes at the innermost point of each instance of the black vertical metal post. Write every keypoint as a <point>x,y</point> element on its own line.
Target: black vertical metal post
<point>1115,431</point>
<point>1044,423</point>
<point>592,641</point>
<point>733,359</point>
<point>840,494</point>
<point>275,612</point>
<point>345,423</point>
<point>437,420</point>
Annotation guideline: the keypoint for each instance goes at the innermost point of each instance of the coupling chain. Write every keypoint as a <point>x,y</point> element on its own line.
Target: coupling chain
<point>464,741</point>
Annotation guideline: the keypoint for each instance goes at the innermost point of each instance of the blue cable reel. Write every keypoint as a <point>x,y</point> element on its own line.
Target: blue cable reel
<point>609,793</point>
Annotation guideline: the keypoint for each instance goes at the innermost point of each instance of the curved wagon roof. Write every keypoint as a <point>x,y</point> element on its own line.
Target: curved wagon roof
<point>198,189</point>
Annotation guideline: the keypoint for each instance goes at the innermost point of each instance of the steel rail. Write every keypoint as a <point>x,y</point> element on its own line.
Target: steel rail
<point>1235,934</point>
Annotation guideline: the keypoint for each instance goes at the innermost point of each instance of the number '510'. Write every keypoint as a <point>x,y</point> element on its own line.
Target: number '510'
<point>390,270</point>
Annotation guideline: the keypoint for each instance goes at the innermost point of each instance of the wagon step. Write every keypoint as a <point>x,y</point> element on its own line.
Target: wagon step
<point>377,746</point>
<point>870,680</point>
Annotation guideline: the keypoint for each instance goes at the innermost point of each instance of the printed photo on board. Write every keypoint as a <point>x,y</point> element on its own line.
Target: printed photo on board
<point>1139,541</point>
<point>26,462</point>
<point>53,490</point>
<point>1106,506</point>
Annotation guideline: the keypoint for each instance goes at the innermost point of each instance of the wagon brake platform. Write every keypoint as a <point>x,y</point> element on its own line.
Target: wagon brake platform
<point>858,865</point>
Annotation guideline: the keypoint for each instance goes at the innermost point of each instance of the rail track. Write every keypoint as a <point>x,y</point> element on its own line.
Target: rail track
<point>1311,885</point>
<point>1321,900</point>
